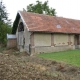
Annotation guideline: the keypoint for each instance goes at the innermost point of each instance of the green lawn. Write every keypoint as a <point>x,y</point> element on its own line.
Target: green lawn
<point>70,57</point>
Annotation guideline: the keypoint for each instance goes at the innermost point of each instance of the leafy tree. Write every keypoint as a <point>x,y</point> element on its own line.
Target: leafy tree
<point>3,13</point>
<point>41,8</point>
<point>4,23</point>
<point>4,29</point>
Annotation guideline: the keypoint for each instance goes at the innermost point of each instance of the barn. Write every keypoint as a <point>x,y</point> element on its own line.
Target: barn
<point>39,33</point>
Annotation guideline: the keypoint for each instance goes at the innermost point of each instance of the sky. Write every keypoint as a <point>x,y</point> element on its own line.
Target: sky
<point>64,8</point>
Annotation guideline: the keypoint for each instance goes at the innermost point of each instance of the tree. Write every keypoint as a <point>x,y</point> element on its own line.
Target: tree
<point>41,8</point>
<point>4,23</point>
<point>4,29</point>
<point>3,13</point>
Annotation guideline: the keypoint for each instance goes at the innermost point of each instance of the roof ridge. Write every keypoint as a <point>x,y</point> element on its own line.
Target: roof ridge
<point>38,13</point>
<point>49,15</point>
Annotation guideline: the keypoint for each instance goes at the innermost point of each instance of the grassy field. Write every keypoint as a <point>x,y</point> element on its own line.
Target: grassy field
<point>70,57</point>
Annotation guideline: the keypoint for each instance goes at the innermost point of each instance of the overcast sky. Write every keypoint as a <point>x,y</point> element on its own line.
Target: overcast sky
<point>64,8</point>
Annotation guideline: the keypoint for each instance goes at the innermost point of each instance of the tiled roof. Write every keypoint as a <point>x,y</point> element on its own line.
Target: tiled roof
<point>45,23</point>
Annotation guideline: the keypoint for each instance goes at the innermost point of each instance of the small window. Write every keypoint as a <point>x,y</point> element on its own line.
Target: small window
<point>58,26</point>
<point>21,27</point>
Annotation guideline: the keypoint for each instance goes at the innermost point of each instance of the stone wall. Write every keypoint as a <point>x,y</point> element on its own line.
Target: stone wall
<point>46,42</point>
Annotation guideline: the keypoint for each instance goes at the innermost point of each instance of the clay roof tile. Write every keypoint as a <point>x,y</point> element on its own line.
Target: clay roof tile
<point>46,23</point>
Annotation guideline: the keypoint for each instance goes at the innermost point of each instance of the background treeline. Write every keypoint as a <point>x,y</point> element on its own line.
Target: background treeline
<point>5,24</point>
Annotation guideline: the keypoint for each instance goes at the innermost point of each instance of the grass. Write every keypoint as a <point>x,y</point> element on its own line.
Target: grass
<point>70,57</point>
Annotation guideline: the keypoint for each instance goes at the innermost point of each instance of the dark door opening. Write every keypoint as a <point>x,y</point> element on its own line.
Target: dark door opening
<point>76,41</point>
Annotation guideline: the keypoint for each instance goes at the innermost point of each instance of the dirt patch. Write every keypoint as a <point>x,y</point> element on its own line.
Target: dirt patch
<point>20,66</point>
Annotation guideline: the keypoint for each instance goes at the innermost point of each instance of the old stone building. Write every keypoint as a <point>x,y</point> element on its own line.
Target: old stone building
<point>37,33</point>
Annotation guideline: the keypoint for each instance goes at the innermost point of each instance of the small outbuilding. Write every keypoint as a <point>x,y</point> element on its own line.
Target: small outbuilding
<point>11,41</point>
<point>38,33</point>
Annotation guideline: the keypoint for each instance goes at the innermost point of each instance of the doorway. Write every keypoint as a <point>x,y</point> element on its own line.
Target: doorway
<point>76,41</point>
